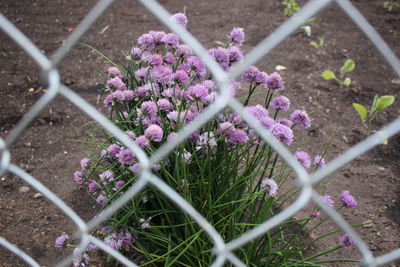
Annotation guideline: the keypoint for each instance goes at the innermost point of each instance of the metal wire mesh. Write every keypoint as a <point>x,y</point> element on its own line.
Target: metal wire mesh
<point>222,249</point>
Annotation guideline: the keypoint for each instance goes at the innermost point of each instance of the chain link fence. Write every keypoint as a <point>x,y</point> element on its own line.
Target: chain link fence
<point>224,251</point>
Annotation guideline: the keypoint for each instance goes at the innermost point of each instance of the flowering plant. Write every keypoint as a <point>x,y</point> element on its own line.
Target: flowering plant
<point>224,169</point>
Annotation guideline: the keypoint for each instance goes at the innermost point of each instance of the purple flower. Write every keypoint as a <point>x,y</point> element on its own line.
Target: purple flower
<point>164,104</point>
<point>282,133</point>
<point>250,74</point>
<point>106,229</point>
<point>345,241</point>
<point>126,239</point>
<point>116,83</point>
<point>113,240</point>
<point>328,200</point>
<point>300,118</point>
<point>180,18</point>
<point>235,54</point>
<point>118,185</point>
<point>157,36</point>
<point>101,200</point>
<point>135,168</point>
<point>206,139</point>
<point>84,163</point>
<point>281,103</point>
<point>262,78</point>
<point>170,39</point>
<point>107,175</point>
<point>113,149</point>
<point>169,58</point>
<point>108,101</point>
<point>118,96</point>
<point>142,141</point>
<point>128,94</point>
<point>125,157</point>
<point>91,247</point>
<point>257,111</point>
<point>149,108</point>
<point>181,77</point>
<point>161,74</point>
<point>60,241</point>
<point>237,137</point>
<point>183,51</point>
<point>347,199</point>
<point>136,52</point>
<point>186,156</point>
<point>226,128</point>
<point>220,55</point>
<point>93,186</point>
<point>270,186</point>
<point>196,93</point>
<point>156,60</point>
<point>143,91</point>
<point>197,66</point>
<point>114,72</point>
<point>304,158</point>
<point>78,177</point>
<point>144,223</point>
<point>319,161</point>
<point>284,121</point>
<point>80,259</point>
<point>146,40</point>
<point>154,133</point>
<point>237,36</point>
<point>275,82</point>
<point>141,73</point>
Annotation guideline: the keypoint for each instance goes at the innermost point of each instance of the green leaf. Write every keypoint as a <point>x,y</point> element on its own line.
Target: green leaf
<point>347,81</point>
<point>328,75</point>
<point>314,44</point>
<point>373,108</point>
<point>348,66</point>
<point>362,111</point>
<point>384,102</point>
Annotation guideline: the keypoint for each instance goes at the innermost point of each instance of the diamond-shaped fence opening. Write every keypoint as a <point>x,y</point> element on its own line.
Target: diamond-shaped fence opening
<point>223,249</point>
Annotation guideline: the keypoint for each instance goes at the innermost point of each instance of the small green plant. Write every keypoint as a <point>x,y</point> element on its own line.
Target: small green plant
<point>318,45</point>
<point>306,26</point>
<point>391,4</point>
<point>347,67</point>
<point>379,104</point>
<point>291,7</point>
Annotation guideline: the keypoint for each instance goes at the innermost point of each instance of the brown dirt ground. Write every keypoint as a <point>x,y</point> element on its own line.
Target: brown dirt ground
<point>46,151</point>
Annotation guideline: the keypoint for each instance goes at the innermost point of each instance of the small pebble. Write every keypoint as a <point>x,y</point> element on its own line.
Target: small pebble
<point>37,195</point>
<point>24,189</point>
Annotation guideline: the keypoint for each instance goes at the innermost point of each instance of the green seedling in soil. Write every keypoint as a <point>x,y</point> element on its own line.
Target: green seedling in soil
<point>347,67</point>
<point>306,26</point>
<point>391,4</point>
<point>379,104</point>
<point>318,45</point>
<point>291,7</point>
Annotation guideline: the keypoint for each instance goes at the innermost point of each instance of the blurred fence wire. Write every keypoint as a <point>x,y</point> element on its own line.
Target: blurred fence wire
<point>224,251</point>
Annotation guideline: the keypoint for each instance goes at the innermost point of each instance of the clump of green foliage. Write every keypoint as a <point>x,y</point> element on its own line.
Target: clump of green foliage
<point>379,104</point>
<point>391,4</point>
<point>291,7</point>
<point>318,45</point>
<point>347,67</point>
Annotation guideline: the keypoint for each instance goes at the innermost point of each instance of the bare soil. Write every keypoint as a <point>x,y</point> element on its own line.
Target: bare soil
<point>47,151</point>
